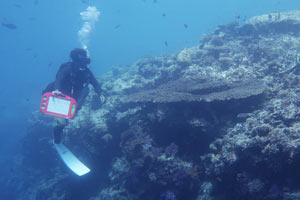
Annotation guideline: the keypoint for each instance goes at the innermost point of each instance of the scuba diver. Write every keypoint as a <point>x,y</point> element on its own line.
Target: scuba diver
<point>72,79</point>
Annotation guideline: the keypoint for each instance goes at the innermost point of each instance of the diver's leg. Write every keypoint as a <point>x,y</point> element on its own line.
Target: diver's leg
<point>58,129</point>
<point>83,94</point>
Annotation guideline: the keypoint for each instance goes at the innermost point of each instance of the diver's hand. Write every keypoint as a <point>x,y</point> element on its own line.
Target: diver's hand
<point>56,92</point>
<point>102,98</point>
<point>97,101</point>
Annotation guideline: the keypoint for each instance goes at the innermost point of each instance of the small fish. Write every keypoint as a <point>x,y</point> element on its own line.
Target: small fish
<point>164,14</point>
<point>9,26</point>
<point>17,5</point>
<point>185,26</point>
<point>166,43</point>
<point>28,49</point>
<point>117,26</point>
<point>36,2</point>
<point>84,1</point>
<point>32,18</point>
<point>50,64</point>
<point>154,1</point>
<point>237,16</point>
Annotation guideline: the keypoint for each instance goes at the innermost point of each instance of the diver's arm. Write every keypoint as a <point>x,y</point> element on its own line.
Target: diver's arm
<point>97,87</point>
<point>62,72</point>
<point>95,83</point>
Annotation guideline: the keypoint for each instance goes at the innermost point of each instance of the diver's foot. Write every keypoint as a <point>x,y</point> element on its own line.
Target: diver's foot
<point>56,141</point>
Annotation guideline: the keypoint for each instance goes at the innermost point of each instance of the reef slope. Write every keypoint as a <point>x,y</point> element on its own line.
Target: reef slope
<point>215,121</point>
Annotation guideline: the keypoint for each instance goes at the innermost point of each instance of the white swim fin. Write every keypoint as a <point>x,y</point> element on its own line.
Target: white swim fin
<point>71,160</point>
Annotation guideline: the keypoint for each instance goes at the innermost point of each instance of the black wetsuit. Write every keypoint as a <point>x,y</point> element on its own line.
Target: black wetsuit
<point>72,79</point>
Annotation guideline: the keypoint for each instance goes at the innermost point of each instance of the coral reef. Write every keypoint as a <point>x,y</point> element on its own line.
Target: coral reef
<point>215,121</point>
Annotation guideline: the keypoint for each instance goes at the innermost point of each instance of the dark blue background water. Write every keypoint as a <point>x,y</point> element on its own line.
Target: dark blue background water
<point>47,31</point>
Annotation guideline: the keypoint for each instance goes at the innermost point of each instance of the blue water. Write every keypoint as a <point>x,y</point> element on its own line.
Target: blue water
<point>127,30</point>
